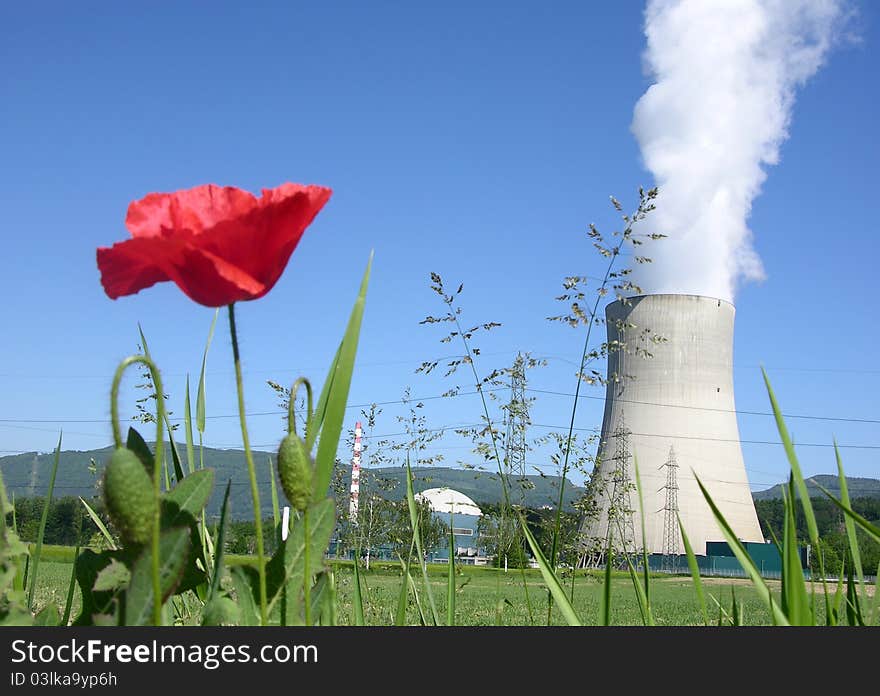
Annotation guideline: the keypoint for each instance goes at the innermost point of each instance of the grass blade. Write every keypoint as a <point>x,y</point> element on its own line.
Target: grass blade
<point>45,516</point>
<point>19,579</point>
<point>358,599</point>
<point>649,617</point>
<point>875,604</point>
<point>606,588</point>
<point>200,397</point>
<point>644,610</point>
<point>414,519</point>
<point>207,547</point>
<point>550,579</point>
<point>525,584</point>
<point>178,470</point>
<point>245,597</point>
<point>857,518</point>
<point>450,579</point>
<point>221,540</point>
<point>736,609</point>
<point>795,601</point>
<point>745,560</point>
<point>400,616</point>
<point>276,516</point>
<point>100,525</point>
<point>853,606</point>
<point>722,612</point>
<point>695,570</point>
<point>415,590</point>
<point>337,396</point>
<point>317,419</point>
<point>188,430</point>
<point>327,609</point>
<point>836,602</point>
<point>65,619</point>
<point>175,456</point>
<point>812,528</point>
<point>848,523</point>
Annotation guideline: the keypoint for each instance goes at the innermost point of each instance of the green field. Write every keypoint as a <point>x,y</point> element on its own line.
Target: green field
<point>484,597</point>
<point>484,593</point>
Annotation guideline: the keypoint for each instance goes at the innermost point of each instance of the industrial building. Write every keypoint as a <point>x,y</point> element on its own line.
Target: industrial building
<point>670,412</point>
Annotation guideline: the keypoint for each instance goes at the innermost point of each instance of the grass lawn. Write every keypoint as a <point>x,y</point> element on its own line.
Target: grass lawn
<point>484,596</point>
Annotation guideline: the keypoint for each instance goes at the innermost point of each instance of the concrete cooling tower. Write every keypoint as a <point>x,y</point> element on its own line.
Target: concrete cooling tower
<point>674,414</point>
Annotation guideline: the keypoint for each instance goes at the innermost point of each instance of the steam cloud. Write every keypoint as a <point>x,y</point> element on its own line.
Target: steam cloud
<point>725,75</point>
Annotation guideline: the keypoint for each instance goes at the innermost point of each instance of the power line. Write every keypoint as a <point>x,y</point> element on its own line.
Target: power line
<point>756,442</point>
<point>595,430</point>
<point>414,361</point>
<point>769,368</point>
<point>246,373</point>
<point>252,414</point>
<point>255,414</point>
<point>706,408</point>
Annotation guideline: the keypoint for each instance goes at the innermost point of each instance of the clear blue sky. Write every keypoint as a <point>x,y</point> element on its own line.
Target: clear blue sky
<point>476,140</point>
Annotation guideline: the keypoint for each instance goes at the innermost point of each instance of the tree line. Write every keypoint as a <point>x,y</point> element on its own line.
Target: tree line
<point>833,541</point>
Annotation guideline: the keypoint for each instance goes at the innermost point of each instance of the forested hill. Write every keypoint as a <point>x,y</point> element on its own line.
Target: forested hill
<point>27,475</point>
<point>857,488</point>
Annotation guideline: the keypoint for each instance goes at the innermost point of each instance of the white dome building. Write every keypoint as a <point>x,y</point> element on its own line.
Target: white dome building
<point>461,513</point>
<point>449,501</point>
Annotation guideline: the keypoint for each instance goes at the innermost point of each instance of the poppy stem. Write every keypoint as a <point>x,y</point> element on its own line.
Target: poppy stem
<point>291,414</point>
<point>307,574</point>
<point>252,472</point>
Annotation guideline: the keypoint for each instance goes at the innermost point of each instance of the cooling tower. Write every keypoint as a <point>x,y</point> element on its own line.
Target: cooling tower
<point>674,407</point>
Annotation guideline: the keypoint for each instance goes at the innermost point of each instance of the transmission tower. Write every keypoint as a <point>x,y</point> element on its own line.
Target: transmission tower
<point>671,532</point>
<point>517,423</point>
<point>621,533</point>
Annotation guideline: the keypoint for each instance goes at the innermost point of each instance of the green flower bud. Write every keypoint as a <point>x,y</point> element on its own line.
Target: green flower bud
<point>295,471</point>
<point>128,494</point>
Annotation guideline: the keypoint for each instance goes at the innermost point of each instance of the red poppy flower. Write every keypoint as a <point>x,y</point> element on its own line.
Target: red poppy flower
<point>218,244</point>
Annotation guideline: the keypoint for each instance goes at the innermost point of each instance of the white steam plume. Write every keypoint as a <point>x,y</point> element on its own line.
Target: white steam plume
<point>725,75</point>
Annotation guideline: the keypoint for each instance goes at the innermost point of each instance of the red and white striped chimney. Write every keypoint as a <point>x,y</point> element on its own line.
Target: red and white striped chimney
<point>355,474</point>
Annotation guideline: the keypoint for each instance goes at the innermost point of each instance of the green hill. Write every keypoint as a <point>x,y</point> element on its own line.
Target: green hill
<point>857,487</point>
<point>79,473</point>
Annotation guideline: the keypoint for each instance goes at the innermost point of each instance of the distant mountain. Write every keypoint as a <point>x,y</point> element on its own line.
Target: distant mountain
<point>79,473</point>
<point>857,488</point>
<point>481,486</point>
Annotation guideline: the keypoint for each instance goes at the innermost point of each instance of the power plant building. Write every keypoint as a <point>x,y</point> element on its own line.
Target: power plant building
<point>669,410</point>
<point>462,515</point>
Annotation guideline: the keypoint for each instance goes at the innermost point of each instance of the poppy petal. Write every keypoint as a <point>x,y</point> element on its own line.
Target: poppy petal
<point>211,281</point>
<point>195,209</point>
<point>126,269</point>
<point>262,242</point>
<point>130,266</point>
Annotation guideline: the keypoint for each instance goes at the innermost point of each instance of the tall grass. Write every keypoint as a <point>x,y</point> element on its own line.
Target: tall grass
<point>35,565</point>
<point>796,605</point>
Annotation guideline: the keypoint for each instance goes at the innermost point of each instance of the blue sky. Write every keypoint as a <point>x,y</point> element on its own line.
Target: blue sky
<point>474,140</point>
